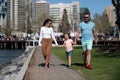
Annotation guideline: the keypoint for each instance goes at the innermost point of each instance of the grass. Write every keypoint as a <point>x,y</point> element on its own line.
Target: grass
<point>105,65</point>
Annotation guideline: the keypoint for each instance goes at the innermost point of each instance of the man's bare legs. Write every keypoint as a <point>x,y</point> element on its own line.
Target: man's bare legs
<point>84,58</point>
<point>87,59</point>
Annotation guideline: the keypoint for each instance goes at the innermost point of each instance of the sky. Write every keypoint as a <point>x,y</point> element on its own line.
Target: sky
<point>95,6</point>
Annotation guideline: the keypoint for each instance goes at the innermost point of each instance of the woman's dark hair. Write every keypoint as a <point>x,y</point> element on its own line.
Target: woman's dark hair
<point>46,21</point>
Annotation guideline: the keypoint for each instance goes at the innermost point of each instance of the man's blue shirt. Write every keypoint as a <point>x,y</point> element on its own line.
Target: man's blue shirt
<point>86,29</point>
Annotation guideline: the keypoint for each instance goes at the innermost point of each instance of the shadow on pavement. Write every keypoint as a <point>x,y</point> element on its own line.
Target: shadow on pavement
<point>42,64</point>
<point>77,64</point>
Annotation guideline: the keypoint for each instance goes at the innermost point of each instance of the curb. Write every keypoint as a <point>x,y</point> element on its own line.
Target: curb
<point>24,68</point>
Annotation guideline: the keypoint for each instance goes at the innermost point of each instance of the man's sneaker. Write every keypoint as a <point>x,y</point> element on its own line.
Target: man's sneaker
<point>89,67</point>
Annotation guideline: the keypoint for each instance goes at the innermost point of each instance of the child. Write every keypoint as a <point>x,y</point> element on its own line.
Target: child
<point>69,49</point>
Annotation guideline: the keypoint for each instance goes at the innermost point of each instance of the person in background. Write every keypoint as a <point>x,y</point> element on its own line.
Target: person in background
<point>45,39</point>
<point>113,32</point>
<point>88,33</point>
<point>69,49</point>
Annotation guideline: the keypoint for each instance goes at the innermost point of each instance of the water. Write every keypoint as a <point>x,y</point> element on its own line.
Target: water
<point>7,55</point>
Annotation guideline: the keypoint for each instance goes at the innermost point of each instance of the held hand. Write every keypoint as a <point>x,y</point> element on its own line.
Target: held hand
<point>75,42</point>
<point>56,45</point>
<point>39,44</point>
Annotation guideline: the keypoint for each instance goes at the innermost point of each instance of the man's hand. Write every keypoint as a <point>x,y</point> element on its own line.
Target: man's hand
<point>96,40</point>
<point>75,42</point>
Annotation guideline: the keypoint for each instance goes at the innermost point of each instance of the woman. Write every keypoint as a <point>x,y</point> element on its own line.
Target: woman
<point>46,36</point>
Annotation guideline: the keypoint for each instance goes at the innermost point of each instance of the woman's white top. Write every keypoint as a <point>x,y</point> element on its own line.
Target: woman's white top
<point>47,32</point>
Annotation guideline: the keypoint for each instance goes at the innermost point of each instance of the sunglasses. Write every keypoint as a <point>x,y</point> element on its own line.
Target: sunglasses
<point>86,17</point>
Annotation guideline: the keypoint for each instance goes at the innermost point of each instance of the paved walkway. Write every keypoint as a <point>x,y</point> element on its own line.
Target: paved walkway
<point>57,70</point>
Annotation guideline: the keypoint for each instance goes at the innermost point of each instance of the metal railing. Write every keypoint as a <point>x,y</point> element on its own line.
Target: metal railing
<point>32,43</point>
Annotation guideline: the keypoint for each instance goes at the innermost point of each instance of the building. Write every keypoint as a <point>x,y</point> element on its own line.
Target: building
<point>110,11</point>
<point>18,13</point>
<point>3,11</point>
<point>33,11</point>
<point>41,7</point>
<point>73,12</point>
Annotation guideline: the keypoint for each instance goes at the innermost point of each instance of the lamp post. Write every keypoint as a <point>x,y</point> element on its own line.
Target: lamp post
<point>26,15</point>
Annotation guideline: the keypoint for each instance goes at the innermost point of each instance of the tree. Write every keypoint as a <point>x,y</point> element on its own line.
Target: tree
<point>75,26</point>
<point>116,4</point>
<point>105,23</point>
<point>97,22</point>
<point>7,30</point>
<point>29,26</point>
<point>39,22</point>
<point>101,22</point>
<point>64,26</point>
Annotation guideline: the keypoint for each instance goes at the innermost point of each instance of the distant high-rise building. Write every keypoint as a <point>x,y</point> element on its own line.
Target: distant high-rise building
<point>41,7</point>
<point>33,10</point>
<point>3,10</point>
<point>110,11</point>
<point>73,12</point>
<point>16,14</point>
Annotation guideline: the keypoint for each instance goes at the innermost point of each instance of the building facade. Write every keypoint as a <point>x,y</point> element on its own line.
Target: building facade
<point>16,14</point>
<point>73,12</point>
<point>3,11</point>
<point>110,11</point>
<point>41,7</point>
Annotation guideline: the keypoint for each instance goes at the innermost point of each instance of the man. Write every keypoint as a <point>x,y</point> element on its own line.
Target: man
<point>113,32</point>
<point>88,33</point>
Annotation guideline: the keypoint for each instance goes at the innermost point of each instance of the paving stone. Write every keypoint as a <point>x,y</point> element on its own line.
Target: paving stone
<point>57,70</point>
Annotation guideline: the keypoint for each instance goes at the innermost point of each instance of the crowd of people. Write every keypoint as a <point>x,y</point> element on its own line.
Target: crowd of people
<point>108,36</point>
<point>12,37</point>
<point>18,37</point>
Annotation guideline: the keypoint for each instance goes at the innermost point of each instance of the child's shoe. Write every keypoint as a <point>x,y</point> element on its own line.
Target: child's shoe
<point>69,66</point>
